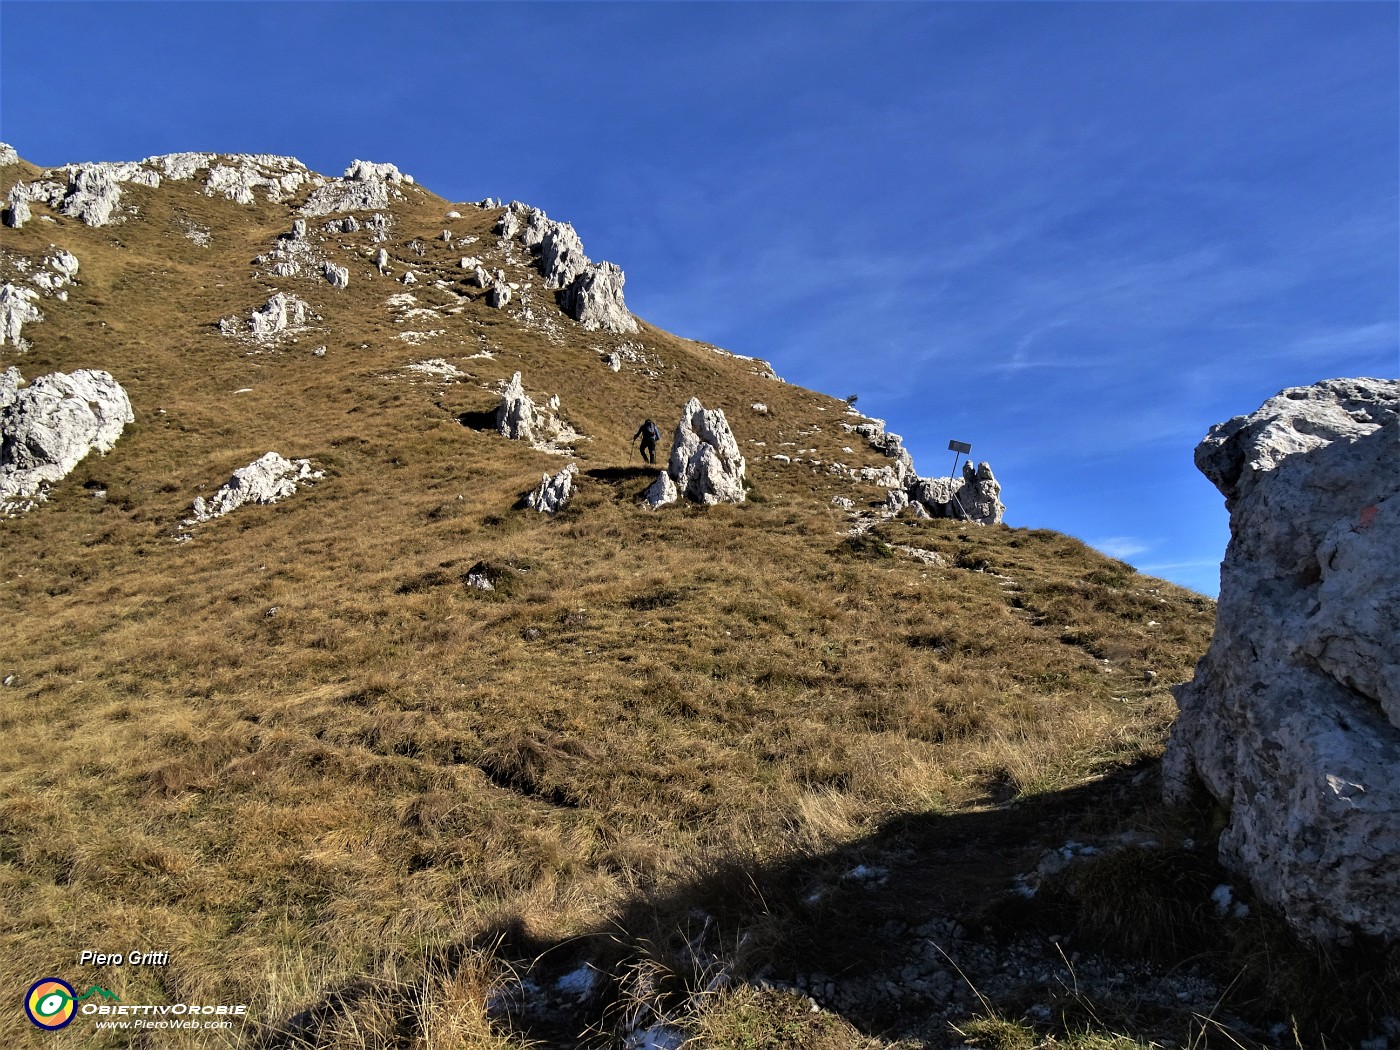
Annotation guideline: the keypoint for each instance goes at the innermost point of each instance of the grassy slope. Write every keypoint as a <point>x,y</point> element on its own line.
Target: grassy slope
<point>390,761</point>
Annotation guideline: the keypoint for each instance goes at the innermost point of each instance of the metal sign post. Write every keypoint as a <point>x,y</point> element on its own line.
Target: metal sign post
<point>958,448</point>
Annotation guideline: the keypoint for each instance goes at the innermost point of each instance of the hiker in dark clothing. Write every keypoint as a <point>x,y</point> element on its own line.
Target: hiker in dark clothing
<point>650,436</point>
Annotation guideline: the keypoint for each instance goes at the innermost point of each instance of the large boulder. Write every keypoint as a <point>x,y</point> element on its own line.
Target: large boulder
<point>1293,717</point>
<point>48,427</point>
<point>705,463</point>
<point>268,479</point>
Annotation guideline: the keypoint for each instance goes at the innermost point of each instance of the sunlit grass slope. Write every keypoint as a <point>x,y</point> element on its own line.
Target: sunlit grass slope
<point>297,750</point>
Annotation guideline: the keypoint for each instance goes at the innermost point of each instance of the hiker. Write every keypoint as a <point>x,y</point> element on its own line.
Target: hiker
<point>650,436</point>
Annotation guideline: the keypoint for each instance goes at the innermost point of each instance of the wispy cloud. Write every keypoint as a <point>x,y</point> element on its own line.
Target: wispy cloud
<point>1120,546</point>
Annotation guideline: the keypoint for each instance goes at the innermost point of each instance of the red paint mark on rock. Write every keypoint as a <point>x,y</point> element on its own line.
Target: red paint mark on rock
<point>1368,515</point>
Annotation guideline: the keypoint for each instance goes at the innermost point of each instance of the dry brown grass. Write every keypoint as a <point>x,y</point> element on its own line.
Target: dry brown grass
<point>297,753</point>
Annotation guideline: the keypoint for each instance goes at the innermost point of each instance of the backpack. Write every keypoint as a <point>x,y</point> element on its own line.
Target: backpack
<point>651,433</point>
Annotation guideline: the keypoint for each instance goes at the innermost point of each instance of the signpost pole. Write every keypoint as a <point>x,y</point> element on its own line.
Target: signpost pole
<point>958,448</point>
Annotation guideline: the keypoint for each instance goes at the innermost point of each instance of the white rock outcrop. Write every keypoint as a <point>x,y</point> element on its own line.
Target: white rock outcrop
<point>8,155</point>
<point>17,309</point>
<point>339,276</point>
<point>1293,716</point>
<point>594,299</point>
<point>554,492</point>
<point>705,462</point>
<point>975,496</point>
<point>520,419</point>
<point>265,480</point>
<point>280,315</point>
<point>661,491</point>
<point>16,212</point>
<point>364,187</point>
<point>48,427</point>
<point>498,295</point>
<point>515,415</point>
<point>589,292</point>
<point>241,176</point>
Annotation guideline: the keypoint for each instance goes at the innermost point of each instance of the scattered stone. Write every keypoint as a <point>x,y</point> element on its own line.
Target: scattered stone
<point>705,462</point>
<point>339,276</point>
<point>1293,714</point>
<point>437,368</point>
<point>843,502</point>
<point>381,260</point>
<point>266,480</point>
<point>48,427</point>
<point>553,493</point>
<point>760,408</point>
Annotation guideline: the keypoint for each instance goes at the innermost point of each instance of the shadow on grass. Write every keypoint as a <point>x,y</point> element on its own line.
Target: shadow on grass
<point>617,474</point>
<point>953,885</point>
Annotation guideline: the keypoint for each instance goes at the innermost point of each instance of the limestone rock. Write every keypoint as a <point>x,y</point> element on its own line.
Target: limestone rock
<point>93,194</point>
<point>975,496</point>
<point>17,309</point>
<point>16,212</point>
<point>519,418</point>
<point>498,295</point>
<point>590,293</point>
<point>508,225</point>
<point>705,462</point>
<point>48,427</point>
<point>364,187</point>
<point>594,299</point>
<point>266,480</point>
<point>515,415</point>
<point>339,276</point>
<point>281,315</point>
<point>661,491</point>
<point>1293,716</point>
<point>8,155</point>
<point>381,260</point>
<point>561,255</point>
<point>243,174</point>
<point>553,493</point>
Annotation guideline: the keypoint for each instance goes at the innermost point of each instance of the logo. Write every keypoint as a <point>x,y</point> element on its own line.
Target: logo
<point>51,1003</point>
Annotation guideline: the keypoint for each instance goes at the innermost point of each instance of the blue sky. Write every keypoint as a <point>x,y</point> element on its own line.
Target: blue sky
<point>1074,235</point>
